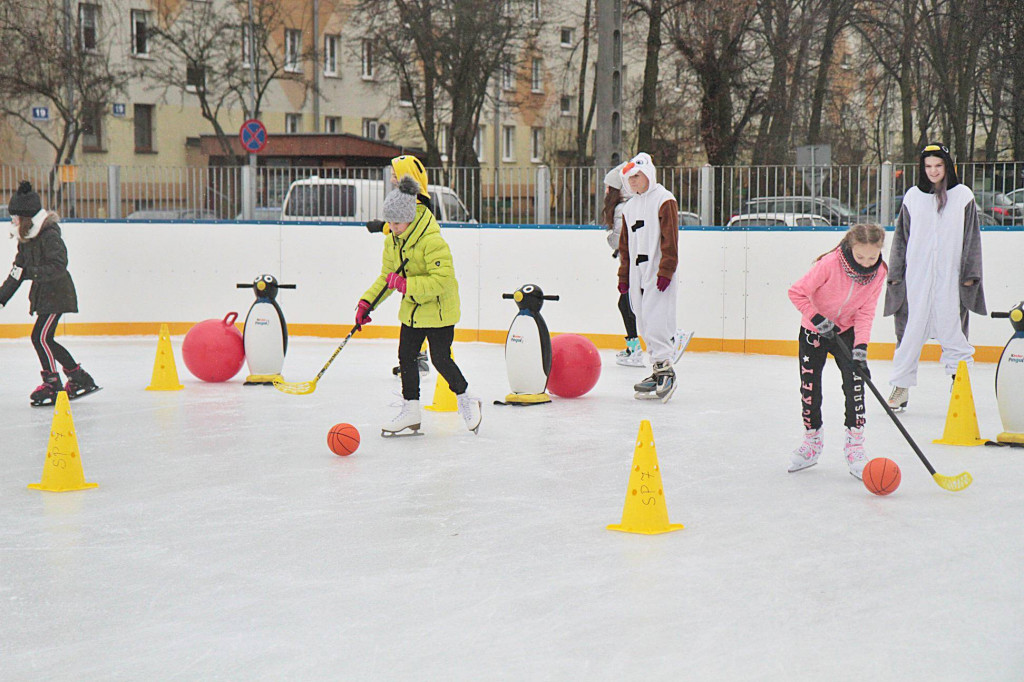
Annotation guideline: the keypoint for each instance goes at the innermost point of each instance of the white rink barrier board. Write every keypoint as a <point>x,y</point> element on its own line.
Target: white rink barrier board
<point>733,284</point>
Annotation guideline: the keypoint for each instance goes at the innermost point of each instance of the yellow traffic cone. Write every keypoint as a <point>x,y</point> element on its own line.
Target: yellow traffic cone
<point>63,469</point>
<point>444,399</point>
<point>165,372</point>
<point>961,419</point>
<point>645,511</point>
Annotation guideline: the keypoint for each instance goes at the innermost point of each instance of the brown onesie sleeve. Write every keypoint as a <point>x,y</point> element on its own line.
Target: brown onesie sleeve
<point>668,219</point>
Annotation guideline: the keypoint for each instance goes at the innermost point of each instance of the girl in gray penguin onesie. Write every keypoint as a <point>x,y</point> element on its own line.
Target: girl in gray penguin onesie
<point>934,271</point>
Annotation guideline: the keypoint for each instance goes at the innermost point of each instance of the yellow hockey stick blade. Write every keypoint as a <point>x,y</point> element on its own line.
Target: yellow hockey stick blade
<point>300,387</point>
<point>954,483</point>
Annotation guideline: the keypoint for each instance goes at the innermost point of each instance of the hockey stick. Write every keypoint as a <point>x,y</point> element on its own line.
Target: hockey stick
<point>307,387</point>
<point>954,483</point>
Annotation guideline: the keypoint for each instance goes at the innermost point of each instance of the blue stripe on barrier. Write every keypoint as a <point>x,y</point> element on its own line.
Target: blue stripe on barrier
<point>512,226</point>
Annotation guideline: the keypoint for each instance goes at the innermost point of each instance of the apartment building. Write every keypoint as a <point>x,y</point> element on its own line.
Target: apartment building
<point>332,80</point>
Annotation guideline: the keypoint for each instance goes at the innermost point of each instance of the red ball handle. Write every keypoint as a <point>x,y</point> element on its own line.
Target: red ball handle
<point>229,319</point>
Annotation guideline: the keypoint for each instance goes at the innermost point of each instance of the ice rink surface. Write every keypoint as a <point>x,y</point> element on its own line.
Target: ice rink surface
<point>226,542</point>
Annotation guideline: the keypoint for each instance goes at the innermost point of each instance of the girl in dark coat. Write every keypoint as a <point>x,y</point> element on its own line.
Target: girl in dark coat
<point>43,258</point>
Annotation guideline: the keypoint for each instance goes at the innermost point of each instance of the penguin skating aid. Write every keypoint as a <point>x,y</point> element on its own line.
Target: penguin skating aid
<point>1010,381</point>
<point>265,334</point>
<point>528,349</point>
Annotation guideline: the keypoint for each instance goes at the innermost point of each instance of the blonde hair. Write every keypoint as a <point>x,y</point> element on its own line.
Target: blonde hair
<point>861,233</point>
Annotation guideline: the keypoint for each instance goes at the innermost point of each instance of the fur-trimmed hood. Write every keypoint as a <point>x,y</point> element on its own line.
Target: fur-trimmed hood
<point>40,220</point>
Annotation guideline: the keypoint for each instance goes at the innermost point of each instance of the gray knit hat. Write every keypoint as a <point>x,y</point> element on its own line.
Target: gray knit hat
<point>614,177</point>
<point>25,201</point>
<point>400,203</point>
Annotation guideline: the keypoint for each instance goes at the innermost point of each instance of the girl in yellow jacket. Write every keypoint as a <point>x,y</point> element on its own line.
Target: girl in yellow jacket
<point>430,304</point>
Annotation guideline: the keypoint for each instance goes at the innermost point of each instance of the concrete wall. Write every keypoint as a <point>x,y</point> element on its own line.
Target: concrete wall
<point>131,277</point>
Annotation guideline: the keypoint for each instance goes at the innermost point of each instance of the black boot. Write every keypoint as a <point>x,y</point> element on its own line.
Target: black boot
<point>46,392</point>
<point>79,383</point>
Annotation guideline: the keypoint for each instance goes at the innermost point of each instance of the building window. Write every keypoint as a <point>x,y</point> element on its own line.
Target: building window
<point>88,26</point>
<point>536,76</point>
<point>508,74</point>
<point>140,33</point>
<point>331,55</point>
<point>677,85</point>
<point>405,94</point>
<point>143,128</point>
<point>568,37</point>
<point>368,66</point>
<point>536,9</point>
<point>92,128</point>
<point>442,140</point>
<point>565,105</point>
<point>292,50</point>
<point>508,143</point>
<point>195,77</point>
<point>478,143</point>
<point>293,123</point>
<point>332,124</point>
<point>246,45</point>
<point>536,145</point>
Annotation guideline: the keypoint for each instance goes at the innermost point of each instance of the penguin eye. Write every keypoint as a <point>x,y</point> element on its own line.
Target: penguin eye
<point>267,278</point>
<point>528,289</point>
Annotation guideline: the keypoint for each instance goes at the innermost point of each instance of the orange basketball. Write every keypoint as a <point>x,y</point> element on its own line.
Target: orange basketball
<point>343,439</point>
<point>881,476</point>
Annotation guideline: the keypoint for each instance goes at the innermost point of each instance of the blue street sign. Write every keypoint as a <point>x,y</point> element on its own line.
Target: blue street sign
<point>118,109</point>
<point>253,136</point>
<point>40,113</point>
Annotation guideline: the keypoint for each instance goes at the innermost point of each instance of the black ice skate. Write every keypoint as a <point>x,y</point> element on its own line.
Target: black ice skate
<point>662,382</point>
<point>422,364</point>
<point>46,392</point>
<point>79,383</point>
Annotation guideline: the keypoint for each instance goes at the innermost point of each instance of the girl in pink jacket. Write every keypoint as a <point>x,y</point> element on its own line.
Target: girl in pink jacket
<point>838,297</point>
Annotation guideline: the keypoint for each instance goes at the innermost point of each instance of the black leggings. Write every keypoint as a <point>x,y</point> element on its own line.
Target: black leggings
<point>628,318</point>
<point>410,340</point>
<point>814,351</point>
<point>49,351</point>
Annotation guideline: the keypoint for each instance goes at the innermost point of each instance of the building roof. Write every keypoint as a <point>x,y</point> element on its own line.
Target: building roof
<point>345,147</point>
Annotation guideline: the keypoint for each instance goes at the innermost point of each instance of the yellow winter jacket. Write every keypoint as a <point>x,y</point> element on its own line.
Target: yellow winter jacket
<point>432,293</point>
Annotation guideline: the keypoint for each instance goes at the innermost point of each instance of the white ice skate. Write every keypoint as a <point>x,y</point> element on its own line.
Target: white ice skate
<point>899,399</point>
<point>470,411</point>
<point>807,454</point>
<point>632,355</point>
<point>854,451</point>
<point>680,341</point>
<point>405,423</point>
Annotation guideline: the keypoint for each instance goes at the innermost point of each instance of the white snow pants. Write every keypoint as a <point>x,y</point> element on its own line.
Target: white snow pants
<point>943,325</point>
<point>655,318</point>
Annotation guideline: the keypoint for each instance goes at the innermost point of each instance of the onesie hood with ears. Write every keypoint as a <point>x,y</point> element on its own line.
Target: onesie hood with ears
<point>641,163</point>
<point>942,151</point>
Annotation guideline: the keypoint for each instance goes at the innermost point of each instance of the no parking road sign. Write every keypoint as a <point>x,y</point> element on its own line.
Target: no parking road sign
<point>253,136</point>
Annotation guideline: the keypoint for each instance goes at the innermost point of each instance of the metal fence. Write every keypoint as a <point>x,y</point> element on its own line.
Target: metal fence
<point>571,195</point>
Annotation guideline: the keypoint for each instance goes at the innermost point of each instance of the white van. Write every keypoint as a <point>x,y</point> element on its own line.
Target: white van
<point>316,199</point>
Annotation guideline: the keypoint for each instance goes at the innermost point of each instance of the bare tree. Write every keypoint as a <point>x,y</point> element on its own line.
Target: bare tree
<point>210,51</point>
<point>47,60</point>
<point>838,14</point>
<point>714,38</point>
<point>655,13</point>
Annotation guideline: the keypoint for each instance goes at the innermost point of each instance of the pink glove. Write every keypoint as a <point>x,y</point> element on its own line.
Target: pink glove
<point>362,314</point>
<point>663,283</point>
<point>623,287</point>
<point>396,281</point>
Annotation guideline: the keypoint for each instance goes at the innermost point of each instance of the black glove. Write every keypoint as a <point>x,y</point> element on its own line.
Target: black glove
<point>859,356</point>
<point>825,327</point>
<point>374,226</point>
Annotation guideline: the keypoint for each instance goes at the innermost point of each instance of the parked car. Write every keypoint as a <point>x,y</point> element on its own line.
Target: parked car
<point>831,208</point>
<point>317,199</point>
<point>201,214</point>
<point>264,214</point>
<point>1000,206</point>
<point>778,220</point>
<point>1017,196</point>
<point>686,218</point>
